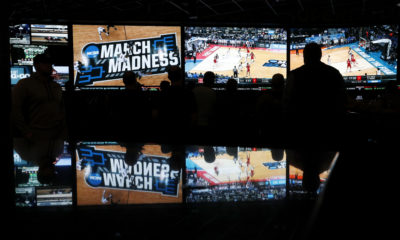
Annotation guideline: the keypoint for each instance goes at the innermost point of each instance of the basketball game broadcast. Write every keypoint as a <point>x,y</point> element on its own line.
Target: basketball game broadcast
<point>248,55</point>
<point>234,174</point>
<point>111,173</point>
<point>361,54</point>
<point>103,53</point>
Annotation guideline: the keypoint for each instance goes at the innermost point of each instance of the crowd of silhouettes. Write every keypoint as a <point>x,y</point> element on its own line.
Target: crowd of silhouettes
<point>308,108</point>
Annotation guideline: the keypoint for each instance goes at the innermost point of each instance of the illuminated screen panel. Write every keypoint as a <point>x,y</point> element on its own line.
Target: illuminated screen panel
<point>103,53</point>
<point>20,34</point>
<point>42,179</point>
<point>27,41</point>
<point>124,173</point>
<point>232,174</point>
<point>49,34</point>
<point>298,161</point>
<point>249,55</point>
<point>361,54</point>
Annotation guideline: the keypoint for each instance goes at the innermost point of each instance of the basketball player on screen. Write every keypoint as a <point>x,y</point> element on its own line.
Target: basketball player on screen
<point>101,30</point>
<point>353,60</point>
<point>348,65</point>
<point>252,57</point>
<point>248,70</point>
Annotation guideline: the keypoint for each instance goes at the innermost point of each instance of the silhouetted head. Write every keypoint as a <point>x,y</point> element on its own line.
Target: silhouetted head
<point>277,81</point>
<point>277,154</point>
<point>231,85</point>
<point>46,173</point>
<point>312,53</point>
<point>175,75</point>
<point>209,154</point>
<point>232,151</point>
<point>209,79</point>
<point>43,64</point>
<point>132,154</point>
<point>164,85</point>
<point>311,180</point>
<point>391,87</point>
<point>130,79</point>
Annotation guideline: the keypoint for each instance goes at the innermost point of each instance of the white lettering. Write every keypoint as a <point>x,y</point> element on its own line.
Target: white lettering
<point>114,66</point>
<point>145,47</point>
<point>156,169</point>
<point>139,184</point>
<point>138,168</point>
<point>109,179</point>
<point>106,51</point>
<point>147,169</point>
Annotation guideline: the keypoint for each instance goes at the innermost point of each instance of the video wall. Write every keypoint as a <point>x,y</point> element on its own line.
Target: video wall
<point>95,57</point>
<point>43,173</point>
<point>99,173</point>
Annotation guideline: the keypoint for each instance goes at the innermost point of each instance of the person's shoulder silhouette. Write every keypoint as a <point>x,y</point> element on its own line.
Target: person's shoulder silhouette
<point>315,99</point>
<point>315,86</point>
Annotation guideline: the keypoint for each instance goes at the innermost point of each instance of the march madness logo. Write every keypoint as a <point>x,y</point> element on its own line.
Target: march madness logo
<point>108,169</point>
<point>108,61</point>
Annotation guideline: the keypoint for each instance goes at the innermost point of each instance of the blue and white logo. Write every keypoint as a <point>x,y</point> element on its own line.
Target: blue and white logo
<point>92,51</point>
<point>94,179</point>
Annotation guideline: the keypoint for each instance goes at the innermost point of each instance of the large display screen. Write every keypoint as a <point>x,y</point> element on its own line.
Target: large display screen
<point>43,173</point>
<point>103,53</point>
<point>361,54</point>
<point>234,174</point>
<point>110,173</point>
<point>29,40</point>
<point>251,56</point>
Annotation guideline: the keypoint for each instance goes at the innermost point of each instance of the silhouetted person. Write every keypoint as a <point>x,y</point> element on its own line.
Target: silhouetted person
<point>42,152</point>
<point>269,108</point>
<point>231,85</point>
<point>312,163</point>
<point>164,86</point>
<point>229,107</point>
<point>209,154</point>
<point>133,152</point>
<point>130,81</point>
<point>390,102</point>
<point>206,101</point>
<point>314,100</point>
<point>37,104</point>
<point>175,110</point>
<point>131,110</point>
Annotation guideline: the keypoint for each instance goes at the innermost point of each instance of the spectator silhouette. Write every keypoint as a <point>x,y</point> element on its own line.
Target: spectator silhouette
<point>133,152</point>
<point>37,104</point>
<point>314,103</point>
<point>40,152</point>
<point>176,108</point>
<point>312,163</point>
<point>209,154</point>
<point>314,100</point>
<point>390,102</point>
<point>130,81</point>
<point>206,101</point>
<point>164,86</point>
<point>229,108</point>
<point>269,109</point>
<point>130,109</point>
